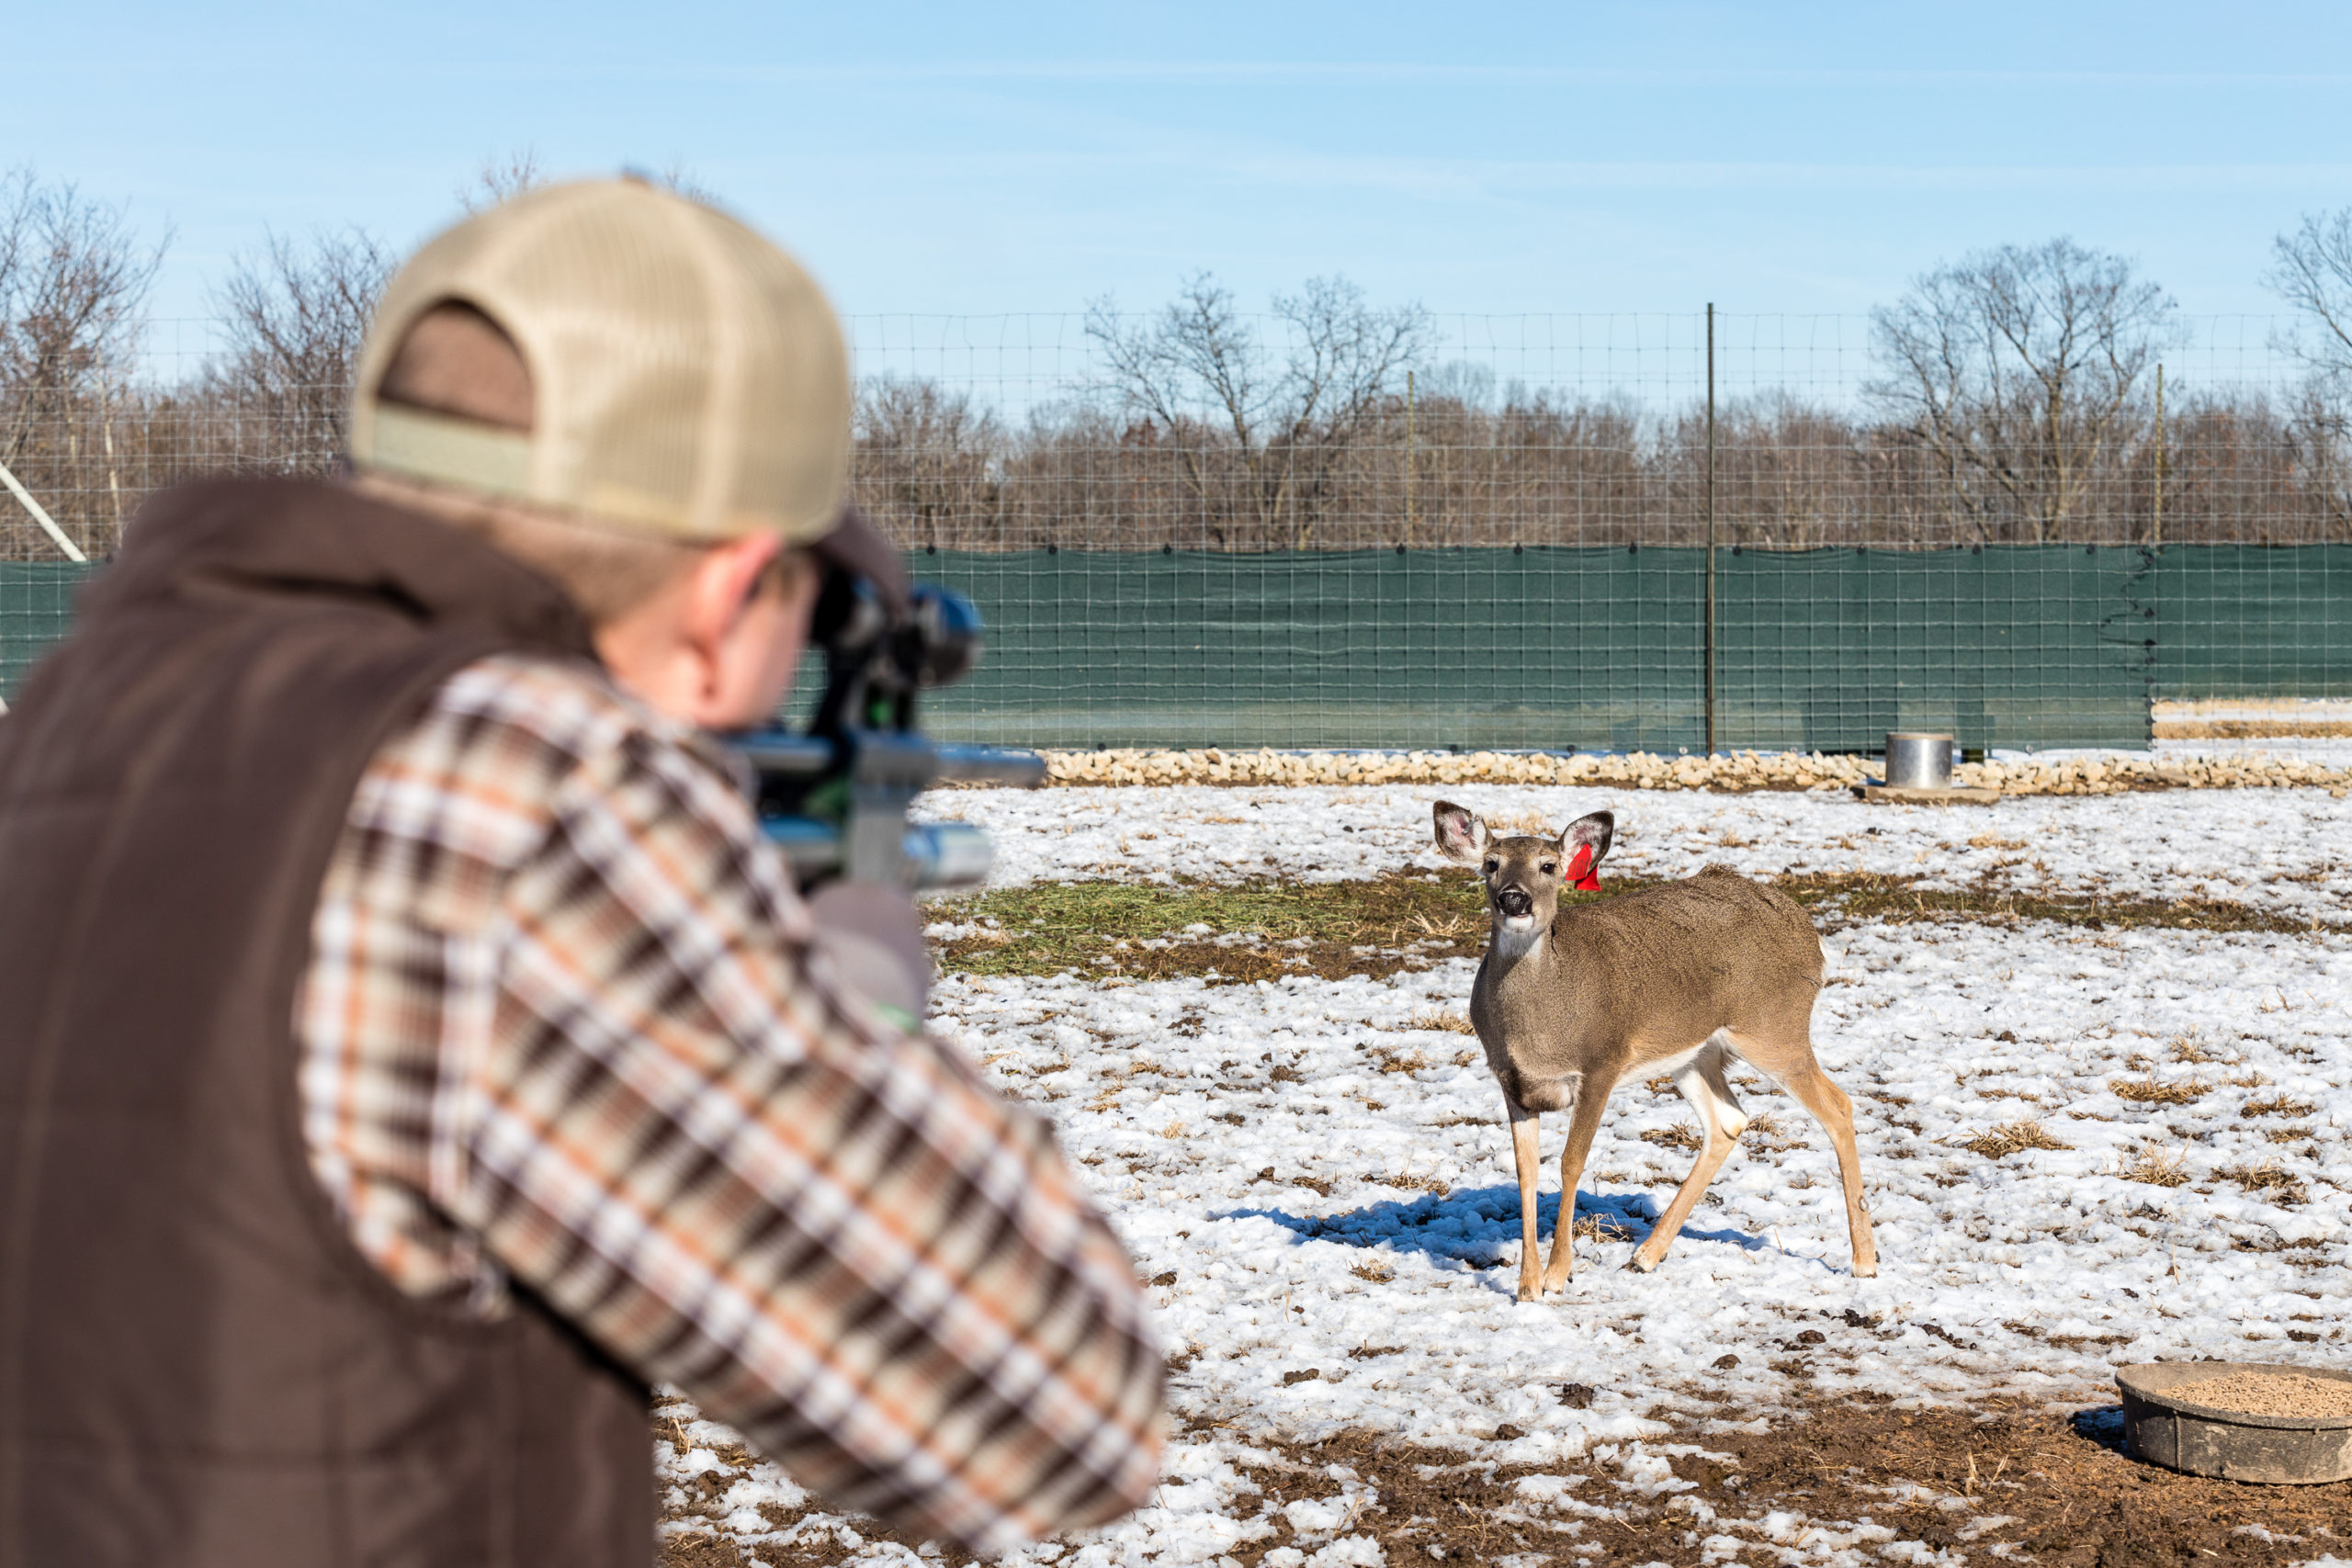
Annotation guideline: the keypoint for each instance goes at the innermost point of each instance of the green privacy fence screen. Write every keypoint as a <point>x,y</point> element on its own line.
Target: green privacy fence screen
<point>1555,647</point>
<point>2246,621</point>
<point>36,608</point>
<point>1595,649</point>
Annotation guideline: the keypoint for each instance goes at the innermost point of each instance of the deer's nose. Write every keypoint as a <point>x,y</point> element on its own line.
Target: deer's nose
<point>1515,901</point>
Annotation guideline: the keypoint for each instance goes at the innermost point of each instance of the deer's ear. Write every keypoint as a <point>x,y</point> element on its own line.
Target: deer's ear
<point>1460,836</point>
<point>1593,833</point>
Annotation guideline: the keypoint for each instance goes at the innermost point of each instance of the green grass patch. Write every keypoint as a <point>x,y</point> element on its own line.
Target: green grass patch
<point>1404,921</point>
<point>1856,896</point>
<point>1300,928</point>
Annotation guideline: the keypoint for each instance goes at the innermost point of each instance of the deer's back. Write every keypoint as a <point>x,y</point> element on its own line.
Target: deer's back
<point>1660,970</point>
<point>1715,945</point>
<point>1718,903</point>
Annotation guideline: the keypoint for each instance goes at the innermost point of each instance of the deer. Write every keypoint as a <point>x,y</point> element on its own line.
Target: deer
<point>1673,980</point>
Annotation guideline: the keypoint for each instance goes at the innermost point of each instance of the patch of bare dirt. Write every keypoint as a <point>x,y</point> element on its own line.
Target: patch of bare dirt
<point>2051,1484</point>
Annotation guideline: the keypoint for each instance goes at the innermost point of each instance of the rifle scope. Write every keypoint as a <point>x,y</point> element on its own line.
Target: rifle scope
<point>835,798</point>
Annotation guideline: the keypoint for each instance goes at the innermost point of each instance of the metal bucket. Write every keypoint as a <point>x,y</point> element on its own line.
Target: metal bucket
<point>1918,761</point>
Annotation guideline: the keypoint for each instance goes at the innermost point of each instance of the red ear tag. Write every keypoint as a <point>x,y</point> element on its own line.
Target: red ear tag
<point>1580,872</point>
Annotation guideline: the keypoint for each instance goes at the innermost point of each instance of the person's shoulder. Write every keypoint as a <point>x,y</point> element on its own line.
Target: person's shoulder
<point>571,704</point>
<point>566,718</point>
<point>516,726</point>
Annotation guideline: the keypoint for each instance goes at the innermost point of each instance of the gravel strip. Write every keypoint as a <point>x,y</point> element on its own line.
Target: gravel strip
<point>1737,772</point>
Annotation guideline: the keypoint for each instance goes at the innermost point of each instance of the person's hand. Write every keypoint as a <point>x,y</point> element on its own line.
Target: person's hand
<point>874,938</point>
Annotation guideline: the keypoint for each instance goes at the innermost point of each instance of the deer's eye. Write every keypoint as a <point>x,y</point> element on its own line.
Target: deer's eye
<point>1490,866</point>
<point>1550,868</point>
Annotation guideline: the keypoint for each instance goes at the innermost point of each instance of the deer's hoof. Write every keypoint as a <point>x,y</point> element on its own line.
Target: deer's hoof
<point>1640,1264</point>
<point>1530,1293</point>
<point>1866,1270</point>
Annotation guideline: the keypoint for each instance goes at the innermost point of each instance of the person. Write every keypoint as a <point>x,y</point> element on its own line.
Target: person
<point>410,1048</point>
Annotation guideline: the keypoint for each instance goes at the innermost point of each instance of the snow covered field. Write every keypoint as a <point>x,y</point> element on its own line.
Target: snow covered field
<point>1167,1090</point>
<point>1315,1176</point>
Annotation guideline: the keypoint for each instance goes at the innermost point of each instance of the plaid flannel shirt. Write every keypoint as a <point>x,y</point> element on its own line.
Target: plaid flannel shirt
<point>562,1027</point>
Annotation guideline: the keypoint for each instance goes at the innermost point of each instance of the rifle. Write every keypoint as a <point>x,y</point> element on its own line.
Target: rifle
<point>834,797</point>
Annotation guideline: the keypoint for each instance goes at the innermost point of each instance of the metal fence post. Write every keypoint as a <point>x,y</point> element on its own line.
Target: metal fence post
<point>1408,457</point>
<point>41,515</point>
<point>1711,528</point>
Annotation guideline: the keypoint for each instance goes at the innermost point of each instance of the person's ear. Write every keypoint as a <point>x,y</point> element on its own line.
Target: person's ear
<point>720,587</point>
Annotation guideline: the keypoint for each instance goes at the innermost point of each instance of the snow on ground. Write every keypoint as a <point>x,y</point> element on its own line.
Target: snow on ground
<point>2277,849</point>
<point>2328,751</point>
<point>2032,1274</point>
<point>1315,1174</point>
<point>2269,710</point>
<point>2044,1265</point>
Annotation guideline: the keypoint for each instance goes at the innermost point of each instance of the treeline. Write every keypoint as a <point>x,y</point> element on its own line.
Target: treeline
<point>2015,398</point>
<point>938,470</point>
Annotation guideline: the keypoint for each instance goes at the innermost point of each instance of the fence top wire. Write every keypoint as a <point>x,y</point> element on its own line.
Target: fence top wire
<point>1018,361</point>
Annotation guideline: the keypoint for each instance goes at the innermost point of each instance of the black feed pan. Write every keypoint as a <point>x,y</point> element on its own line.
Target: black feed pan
<point>2163,1427</point>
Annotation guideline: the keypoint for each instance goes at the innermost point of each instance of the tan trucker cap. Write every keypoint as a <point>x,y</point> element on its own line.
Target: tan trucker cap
<point>688,378</point>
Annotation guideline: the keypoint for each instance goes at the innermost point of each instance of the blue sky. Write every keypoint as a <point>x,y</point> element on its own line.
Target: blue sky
<point>992,159</point>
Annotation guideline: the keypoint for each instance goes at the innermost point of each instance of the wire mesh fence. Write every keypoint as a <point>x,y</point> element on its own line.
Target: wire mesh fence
<point>1009,434</point>
<point>1506,545</point>
<point>1497,539</point>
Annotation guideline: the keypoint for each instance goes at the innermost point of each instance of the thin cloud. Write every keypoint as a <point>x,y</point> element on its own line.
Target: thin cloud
<point>1248,73</point>
<point>1439,178</point>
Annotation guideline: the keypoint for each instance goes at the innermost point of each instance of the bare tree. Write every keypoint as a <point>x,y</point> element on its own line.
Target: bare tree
<point>2311,269</point>
<point>295,316</point>
<point>1465,381</point>
<point>2016,369</point>
<point>675,175</point>
<point>1199,374</point>
<point>73,281</point>
<point>500,177</point>
<point>926,460</point>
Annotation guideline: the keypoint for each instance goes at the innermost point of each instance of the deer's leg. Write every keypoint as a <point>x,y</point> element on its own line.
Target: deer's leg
<point>1836,1114</point>
<point>1592,1099</point>
<point>1721,1121</point>
<point>1525,1153</point>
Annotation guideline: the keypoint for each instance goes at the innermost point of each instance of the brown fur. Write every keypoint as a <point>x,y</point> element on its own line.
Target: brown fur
<point>1684,975</point>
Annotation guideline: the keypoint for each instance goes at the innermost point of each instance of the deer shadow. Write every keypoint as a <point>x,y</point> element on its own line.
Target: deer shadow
<point>1479,1225</point>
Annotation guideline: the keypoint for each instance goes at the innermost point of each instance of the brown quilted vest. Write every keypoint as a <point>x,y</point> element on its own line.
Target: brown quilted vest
<point>197,1368</point>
